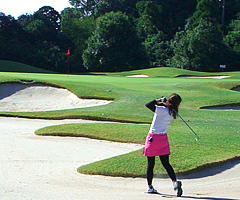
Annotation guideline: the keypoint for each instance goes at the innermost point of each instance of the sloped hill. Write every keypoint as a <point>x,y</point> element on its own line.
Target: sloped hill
<point>12,66</point>
<point>170,72</point>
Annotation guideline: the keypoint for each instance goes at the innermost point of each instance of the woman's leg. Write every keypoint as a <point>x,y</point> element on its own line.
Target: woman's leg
<point>151,163</point>
<point>165,162</point>
<point>177,185</point>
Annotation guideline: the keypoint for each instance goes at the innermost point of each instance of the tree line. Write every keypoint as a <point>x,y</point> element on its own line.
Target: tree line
<point>121,35</point>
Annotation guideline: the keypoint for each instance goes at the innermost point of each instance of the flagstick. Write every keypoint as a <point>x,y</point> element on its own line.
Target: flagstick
<point>68,65</point>
<point>68,54</point>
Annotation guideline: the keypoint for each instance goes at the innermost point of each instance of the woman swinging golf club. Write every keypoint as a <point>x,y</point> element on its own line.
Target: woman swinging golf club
<point>157,141</point>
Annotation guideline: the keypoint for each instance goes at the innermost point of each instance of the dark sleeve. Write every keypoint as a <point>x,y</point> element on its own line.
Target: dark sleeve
<point>152,105</point>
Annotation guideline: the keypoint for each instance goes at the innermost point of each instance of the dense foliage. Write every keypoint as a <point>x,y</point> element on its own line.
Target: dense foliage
<point>119,35</point>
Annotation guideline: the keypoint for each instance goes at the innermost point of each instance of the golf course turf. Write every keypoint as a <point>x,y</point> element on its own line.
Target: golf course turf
<point>219,130</point>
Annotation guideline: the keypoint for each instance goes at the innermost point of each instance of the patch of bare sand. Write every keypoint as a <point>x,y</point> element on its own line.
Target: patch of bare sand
<point>214,77</point>
<point>138,76</point>
<point>39,97</point>
<point>235,106</point>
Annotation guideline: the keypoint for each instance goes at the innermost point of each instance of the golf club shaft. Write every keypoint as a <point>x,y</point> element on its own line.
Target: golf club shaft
<point>186,123</point>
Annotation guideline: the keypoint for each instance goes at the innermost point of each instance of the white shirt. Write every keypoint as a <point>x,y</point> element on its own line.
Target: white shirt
<point>161,120</point>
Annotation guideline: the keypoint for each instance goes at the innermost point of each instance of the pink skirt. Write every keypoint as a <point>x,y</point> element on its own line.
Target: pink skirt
<point>158,147</point>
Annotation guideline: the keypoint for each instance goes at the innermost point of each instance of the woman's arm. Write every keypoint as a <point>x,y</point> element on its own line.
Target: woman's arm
<point>151,105</point>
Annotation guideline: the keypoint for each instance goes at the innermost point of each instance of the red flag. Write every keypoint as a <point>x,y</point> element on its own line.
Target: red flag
<point>68,52</point>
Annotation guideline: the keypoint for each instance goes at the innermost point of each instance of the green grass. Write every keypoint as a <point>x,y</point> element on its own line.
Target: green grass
<point>218,130</point>
<point>117,132</point>
<point>129,93</point>
<point>11,66</point>
<point>166,72</point>
<point>219,140</point>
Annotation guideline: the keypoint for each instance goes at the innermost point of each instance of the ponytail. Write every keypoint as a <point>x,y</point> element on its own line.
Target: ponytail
<point>173,103</point>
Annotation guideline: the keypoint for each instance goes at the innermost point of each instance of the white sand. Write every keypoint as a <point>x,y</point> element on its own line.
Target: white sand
<point>37,97</point>
<point>213,77</point>
<point>138,75</point>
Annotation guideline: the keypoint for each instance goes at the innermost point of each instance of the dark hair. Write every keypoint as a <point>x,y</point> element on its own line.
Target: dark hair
<point>173,102</point>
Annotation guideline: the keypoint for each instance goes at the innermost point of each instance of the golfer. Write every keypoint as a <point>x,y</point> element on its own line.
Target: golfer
<point>157,141</point>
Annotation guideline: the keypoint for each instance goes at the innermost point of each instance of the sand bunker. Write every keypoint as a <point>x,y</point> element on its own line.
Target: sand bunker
<point>139,75</point>
<point>234,106</point>
<point>39,97</point>
<point>223,107</point>
<point>213,77</point>
<point>236,89</point>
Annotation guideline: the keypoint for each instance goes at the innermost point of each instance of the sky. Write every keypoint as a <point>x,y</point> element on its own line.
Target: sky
<point>16,8</point>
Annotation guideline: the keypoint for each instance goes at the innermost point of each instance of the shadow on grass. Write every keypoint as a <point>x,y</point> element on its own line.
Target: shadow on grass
<point>216,169</point>
<point>9,88</point>
<point>206,170</point>
<point>234,106</point>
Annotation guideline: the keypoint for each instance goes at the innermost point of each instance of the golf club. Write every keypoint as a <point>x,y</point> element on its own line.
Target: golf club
<point>197,138</point>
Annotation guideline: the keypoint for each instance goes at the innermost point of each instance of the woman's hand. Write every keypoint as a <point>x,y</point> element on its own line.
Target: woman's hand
<point>158,101</point>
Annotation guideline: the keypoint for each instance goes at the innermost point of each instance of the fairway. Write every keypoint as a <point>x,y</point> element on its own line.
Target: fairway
<point>218,129</point>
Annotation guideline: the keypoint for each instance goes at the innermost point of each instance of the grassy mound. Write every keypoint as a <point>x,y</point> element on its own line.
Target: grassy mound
<point>11,66</point>
<point>167,72</point>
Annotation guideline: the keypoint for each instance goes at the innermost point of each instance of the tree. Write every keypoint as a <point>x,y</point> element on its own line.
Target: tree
<point>9,28</point>
<point>88,6</point>
<point>43,29</point>
<point>114,45</point>
<point>76,28</point>
<point>200,48</point>
<point>210,10</point>
<point>46,22</point>
<point>52,16</point>
<point>125,6</point>
<point>100,7</point>
<point>218,12</point>
<point>43,25</point>
<point>233,37</point>
<point>158,49</point>
<point>166,16</point>
<point>13,39</point>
